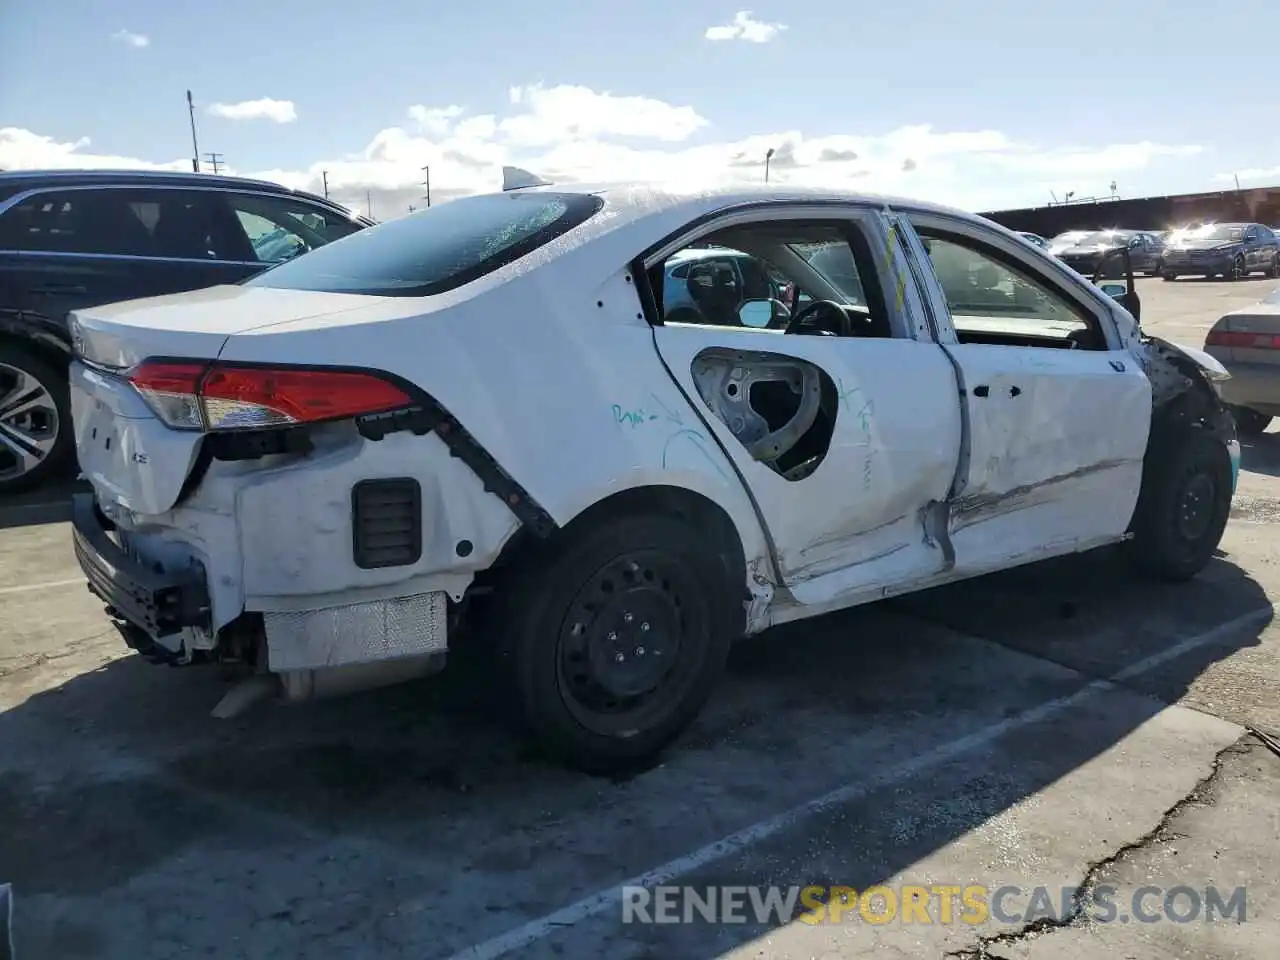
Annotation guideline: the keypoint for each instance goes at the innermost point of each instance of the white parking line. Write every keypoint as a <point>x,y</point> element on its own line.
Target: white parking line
<point>603,900</point>
<point>47,585</point>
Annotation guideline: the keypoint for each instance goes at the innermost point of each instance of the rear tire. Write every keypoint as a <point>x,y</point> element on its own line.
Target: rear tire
<point>613,640</point>
<point>35,419</point>
<point>1250,423</point>
<point>1183,505</point>
<point>1273,270</point>
<point>1168,275</point>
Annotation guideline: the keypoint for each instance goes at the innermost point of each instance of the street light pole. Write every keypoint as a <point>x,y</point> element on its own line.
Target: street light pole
<point>427,182</point>
<point>768,155</point>
<point>195,150</point>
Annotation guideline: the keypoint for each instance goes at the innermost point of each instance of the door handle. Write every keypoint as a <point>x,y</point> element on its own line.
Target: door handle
<point>981,390</point>
<point>1014,390</point>
<point>60,288</point>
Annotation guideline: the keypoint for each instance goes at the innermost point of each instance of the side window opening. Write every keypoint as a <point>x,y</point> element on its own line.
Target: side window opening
<point>278,229</point>
<point>75,221</point>
<point>995,300</point>
<point>761,276</point>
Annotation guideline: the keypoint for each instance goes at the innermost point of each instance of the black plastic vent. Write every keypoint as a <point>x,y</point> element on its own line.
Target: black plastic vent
<point>386,522</point>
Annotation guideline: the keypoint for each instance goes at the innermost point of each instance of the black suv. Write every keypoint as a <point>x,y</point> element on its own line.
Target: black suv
<point>76,239</point>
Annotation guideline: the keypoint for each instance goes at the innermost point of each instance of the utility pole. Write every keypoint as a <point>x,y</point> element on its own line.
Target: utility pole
<point>195,150</point>
<point>216,160</point>
<point>412,208</point>
<point>368,203</point>
<point>324,175</point>
<point>768,155</point>
<point>427,183</point>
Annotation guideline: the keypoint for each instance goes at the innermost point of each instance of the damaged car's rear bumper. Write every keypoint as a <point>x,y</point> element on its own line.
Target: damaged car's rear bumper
<point>158,602</point>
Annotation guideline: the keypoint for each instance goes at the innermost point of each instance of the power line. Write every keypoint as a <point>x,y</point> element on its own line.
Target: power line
<point>216,160</point>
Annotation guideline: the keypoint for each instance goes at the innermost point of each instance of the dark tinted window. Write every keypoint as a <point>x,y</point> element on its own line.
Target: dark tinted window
<point>130,222</point>
<point>436,250</point>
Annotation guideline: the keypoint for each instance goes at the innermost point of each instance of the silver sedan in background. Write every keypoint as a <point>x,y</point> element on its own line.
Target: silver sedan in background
<point>1247,342</point>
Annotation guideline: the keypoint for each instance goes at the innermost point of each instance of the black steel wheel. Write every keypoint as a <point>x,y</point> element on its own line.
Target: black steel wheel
<point>1239,270</point>
<point>1183,505</point>
<point>614,641</point>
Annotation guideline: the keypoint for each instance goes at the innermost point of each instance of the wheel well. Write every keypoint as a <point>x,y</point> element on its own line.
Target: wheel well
<point>689,506</point>
<point>45,348</point>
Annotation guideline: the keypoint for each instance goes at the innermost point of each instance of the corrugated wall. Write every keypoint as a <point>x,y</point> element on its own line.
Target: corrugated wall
<point>1260,205</point>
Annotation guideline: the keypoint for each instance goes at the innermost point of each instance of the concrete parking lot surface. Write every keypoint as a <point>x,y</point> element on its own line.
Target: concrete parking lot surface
<point>1060,726</point>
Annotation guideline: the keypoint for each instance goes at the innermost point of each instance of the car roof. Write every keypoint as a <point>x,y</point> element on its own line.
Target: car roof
<point>638,200</point>
<point>14,181</point>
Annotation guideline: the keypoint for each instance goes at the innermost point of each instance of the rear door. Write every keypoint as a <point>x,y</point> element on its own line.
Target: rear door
<point>847,431</point>
<point>1058,411</point>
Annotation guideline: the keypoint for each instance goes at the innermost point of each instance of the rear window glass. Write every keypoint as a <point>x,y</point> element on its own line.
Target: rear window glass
<point>436,250</point>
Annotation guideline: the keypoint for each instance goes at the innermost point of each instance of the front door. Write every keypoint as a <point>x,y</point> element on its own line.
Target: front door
<point>1058,412</point>
<point>845,428</point>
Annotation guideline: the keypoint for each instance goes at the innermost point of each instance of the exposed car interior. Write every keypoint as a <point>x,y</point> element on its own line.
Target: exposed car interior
<point>992,301</point>
<point>811,274</point>
<point>801,279</point>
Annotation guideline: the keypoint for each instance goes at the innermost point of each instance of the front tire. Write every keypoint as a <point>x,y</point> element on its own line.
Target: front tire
<point>1239,269</point>
<point>35,419</point>
<point>614,641</point>
<point>1183,505</point>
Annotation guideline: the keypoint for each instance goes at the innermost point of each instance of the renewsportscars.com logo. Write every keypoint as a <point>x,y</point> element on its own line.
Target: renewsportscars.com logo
<point>971,904</point>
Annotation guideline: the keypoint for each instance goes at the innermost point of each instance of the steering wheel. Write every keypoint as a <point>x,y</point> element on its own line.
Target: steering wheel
<point>806,314</point>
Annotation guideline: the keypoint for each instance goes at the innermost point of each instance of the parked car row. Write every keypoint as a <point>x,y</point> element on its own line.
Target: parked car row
<point>76,239</point>
<point>1229,250</point>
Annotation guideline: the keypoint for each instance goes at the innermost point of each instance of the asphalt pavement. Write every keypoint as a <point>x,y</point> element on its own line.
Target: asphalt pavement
<point>1061,734</point>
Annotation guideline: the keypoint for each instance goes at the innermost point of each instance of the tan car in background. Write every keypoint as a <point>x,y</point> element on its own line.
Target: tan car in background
<point>1247,342</point>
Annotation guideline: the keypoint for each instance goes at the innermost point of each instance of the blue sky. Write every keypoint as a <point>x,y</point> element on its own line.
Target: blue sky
<point>987,103</point>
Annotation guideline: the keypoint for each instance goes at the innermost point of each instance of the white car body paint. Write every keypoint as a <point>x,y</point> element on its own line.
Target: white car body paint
<point>551,364</point>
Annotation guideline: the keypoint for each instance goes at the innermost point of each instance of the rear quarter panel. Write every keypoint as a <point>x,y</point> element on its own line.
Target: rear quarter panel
<point>557,378</point>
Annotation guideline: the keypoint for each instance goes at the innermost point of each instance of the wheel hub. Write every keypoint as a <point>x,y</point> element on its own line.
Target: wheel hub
<point>632,643</point>
<point>1195,508</point>
<point>28,422</point>
<point>622,637</point>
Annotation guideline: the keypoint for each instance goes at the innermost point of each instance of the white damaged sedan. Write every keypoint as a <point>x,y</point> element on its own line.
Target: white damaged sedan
<point>599,434</point>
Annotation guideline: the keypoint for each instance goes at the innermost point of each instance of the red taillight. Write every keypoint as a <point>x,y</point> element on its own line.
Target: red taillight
<point>1239,339</point>
<point>194,396</point>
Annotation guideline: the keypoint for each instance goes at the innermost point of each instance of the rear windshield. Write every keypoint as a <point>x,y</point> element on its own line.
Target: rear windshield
<point>436,250</point>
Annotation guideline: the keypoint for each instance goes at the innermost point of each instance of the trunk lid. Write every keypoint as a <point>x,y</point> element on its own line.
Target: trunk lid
<point>134,460</point>
<point>195,324</point>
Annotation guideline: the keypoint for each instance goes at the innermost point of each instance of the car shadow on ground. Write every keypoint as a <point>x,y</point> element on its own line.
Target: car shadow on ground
<point>51,503</point>
<point>118,794</point>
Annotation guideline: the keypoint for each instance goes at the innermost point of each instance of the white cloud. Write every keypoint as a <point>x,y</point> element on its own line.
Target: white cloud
<point>745,27</point>
<point>1249,174</point>
<point>278,111</point>
<point>23,150</point>
<point>435,120</point>
<point>572,133</point>
<point>131,39</point>
<point>571,112</point>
